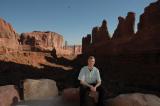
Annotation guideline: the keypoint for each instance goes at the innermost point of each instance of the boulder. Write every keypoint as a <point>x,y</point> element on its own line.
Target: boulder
<point>39,89</point>
<point>135,99</point>
<point>71,94</point>
<point>8,95</point>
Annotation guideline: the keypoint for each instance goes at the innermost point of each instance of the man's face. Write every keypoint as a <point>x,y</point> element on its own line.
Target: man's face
<point>91,62</point>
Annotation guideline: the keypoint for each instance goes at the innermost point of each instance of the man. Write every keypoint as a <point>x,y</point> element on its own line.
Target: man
<point>90,80</point>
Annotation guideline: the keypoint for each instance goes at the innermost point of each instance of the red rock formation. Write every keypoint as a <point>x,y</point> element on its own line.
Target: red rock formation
<point>146,39</point>
<point>127,60</point>
<point>148,34</point>
<point>42,40</point>
<point>8,37</point>
<point>150,16</point>
<point>77,49</point>
<point>86,42</point>
<point>74,49</point>
<point>100,34</point>
<point>125,26</point>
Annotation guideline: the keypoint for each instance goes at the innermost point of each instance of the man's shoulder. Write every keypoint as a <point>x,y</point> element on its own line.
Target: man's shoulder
<point>95,68</point>
<point>84,68</point>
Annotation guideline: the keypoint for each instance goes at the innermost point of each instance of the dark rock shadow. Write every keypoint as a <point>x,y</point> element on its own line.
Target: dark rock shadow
<point>13,73</point>
<point>59,60</point>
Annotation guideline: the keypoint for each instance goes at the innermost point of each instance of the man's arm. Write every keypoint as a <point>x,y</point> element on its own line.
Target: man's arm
<point>85,83</point>
<point>98,84</point>
<point>98,79</point>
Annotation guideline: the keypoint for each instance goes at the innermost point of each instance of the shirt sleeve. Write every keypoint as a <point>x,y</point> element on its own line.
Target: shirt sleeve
<point>81,75</point>
<point>98,75</point>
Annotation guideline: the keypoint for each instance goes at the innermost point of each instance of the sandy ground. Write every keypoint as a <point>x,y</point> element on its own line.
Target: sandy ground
<point>56,101</point>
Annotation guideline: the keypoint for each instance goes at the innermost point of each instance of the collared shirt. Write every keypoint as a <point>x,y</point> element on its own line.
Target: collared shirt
<point>89,76</point>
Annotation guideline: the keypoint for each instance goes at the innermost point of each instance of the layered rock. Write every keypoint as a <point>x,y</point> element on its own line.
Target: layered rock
<point>40,89</point>
<point>100,34</point>
<point>8,95</point>
<point>125,26</point>
<point>27,58</point>
<point>73,49</point>
<point>77,49</point>
<point>8,37</point>
<point>42,40</point>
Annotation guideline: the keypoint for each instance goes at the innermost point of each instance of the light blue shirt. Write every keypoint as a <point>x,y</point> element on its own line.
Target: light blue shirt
<point>89,76</point>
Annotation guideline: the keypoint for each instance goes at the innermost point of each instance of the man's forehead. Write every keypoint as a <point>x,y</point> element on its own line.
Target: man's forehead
<point>91,59</point>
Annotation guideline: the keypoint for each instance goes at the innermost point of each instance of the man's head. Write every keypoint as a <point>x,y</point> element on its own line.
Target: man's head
<point>91,61</point>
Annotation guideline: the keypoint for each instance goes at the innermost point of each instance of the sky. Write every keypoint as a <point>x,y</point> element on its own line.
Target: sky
<point>71,18</point>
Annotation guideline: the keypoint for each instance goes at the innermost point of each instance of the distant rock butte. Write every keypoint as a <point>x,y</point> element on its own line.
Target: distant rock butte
<point>47,41</point>
<point>10,41</point>
<point>73,49</point>
<point>42,40</point>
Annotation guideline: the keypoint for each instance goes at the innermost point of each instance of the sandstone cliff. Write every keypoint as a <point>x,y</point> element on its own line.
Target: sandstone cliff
<point>42,40</point>
<point>8,37</point>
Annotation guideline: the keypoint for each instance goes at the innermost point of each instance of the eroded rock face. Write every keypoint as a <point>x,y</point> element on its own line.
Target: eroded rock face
<point>86,42</point>
<point>125,26</point>
<point>150,17</point>
<point>8,37</point>
<point>135,99</point>
<point>6,29</point>
<point>124,39</point>
<point>72,50</point>
<point>149,21</point>
<point>8,95</point>
<point>40,89</point>
<point>42,40</point>
<point>148,34</point>
<point>77,49</point>
<point>100,34</point>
